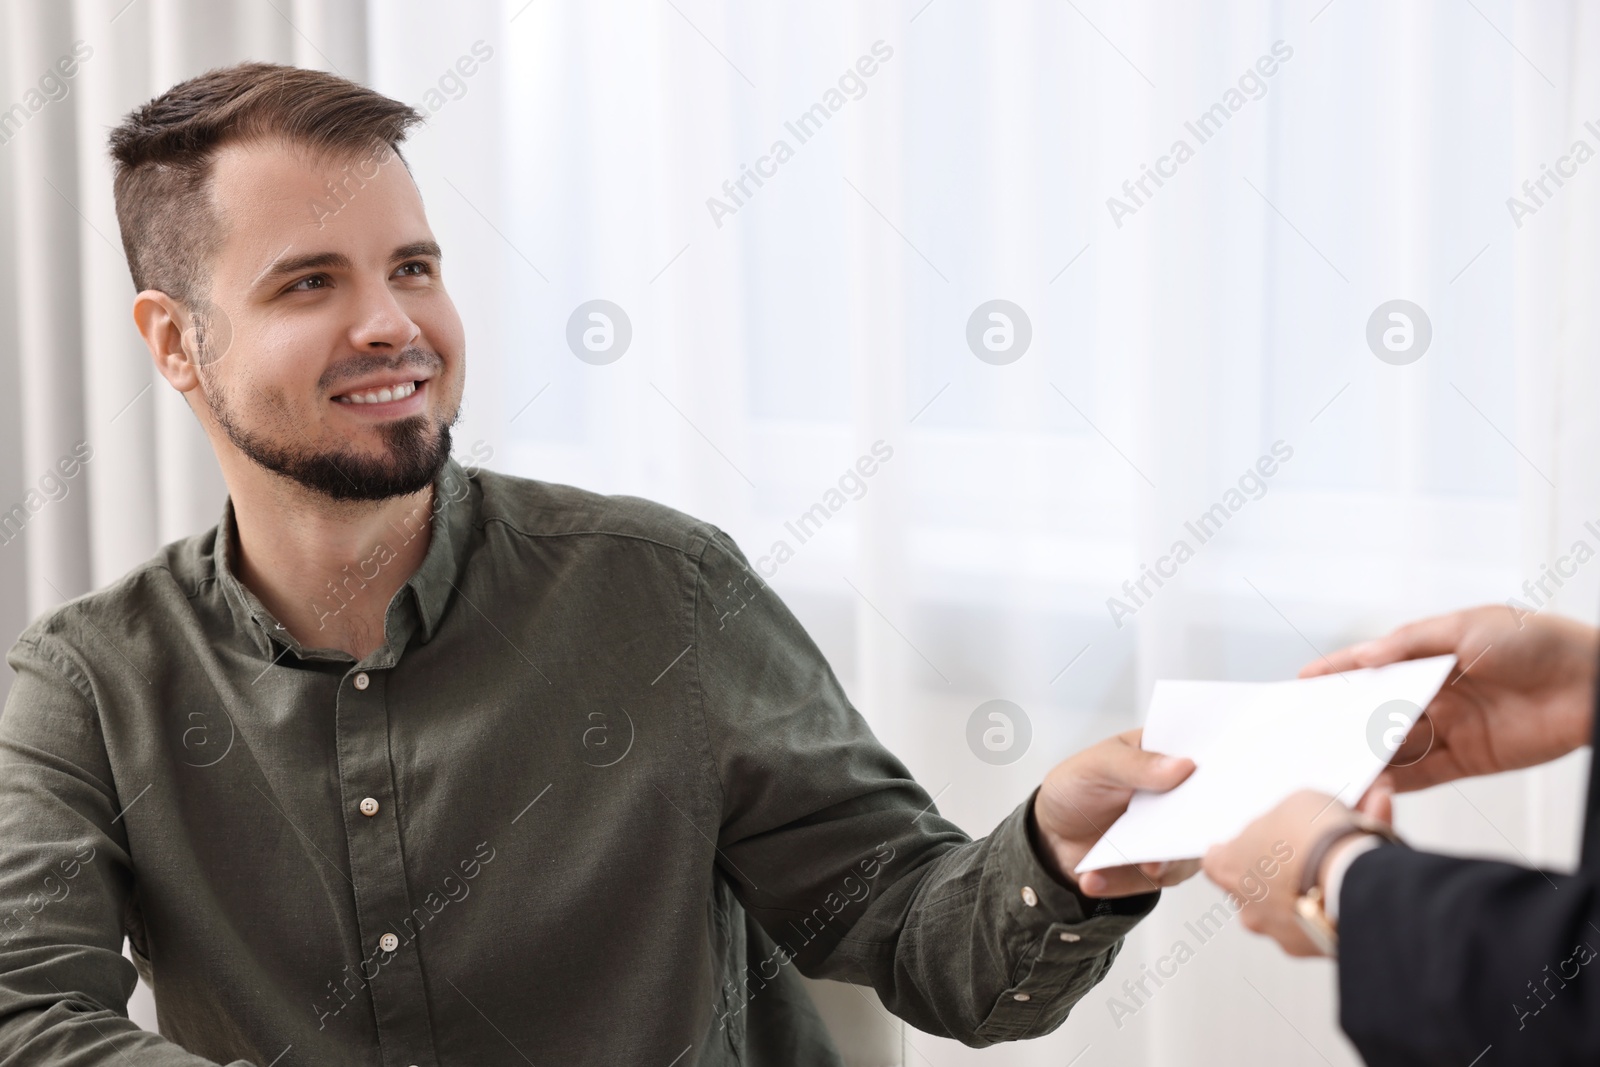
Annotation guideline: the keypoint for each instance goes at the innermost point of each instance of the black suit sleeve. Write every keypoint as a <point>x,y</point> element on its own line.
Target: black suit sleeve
<point>1445,960</point>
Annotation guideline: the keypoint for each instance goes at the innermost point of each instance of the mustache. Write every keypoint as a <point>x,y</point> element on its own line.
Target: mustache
<point>366,363</point>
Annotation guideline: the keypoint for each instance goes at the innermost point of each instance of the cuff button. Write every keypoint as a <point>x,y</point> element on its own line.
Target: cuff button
<point>1065,936</point>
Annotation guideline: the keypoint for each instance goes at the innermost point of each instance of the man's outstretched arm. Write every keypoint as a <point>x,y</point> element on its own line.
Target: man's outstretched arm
<point>842,858</point>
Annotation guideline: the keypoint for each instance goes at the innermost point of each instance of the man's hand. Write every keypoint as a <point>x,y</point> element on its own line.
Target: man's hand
<point>1522,694</point>
<point>1263,865</point>
<point>1085,793</point>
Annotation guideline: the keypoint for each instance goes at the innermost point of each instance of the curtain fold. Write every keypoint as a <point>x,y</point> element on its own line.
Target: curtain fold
<point>51,371</point>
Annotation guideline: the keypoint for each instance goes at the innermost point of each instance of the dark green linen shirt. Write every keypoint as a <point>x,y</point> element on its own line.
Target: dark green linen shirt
<point>596,799</point>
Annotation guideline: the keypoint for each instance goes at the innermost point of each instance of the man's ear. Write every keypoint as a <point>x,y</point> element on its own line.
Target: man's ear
<point>164,324</point>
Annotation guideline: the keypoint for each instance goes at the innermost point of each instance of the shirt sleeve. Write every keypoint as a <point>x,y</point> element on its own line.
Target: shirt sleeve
<point>1449,960</point>
<point>66,879</point>
<point>845,862</point>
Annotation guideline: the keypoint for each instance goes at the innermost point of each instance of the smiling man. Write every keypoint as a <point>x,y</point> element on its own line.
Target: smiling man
<point>405,762</point>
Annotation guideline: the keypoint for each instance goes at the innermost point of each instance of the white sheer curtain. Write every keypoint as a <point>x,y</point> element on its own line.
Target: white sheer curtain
<point>779,334</point>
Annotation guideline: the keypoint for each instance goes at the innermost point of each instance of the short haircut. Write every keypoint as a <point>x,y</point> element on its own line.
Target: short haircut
<point>171,229</point>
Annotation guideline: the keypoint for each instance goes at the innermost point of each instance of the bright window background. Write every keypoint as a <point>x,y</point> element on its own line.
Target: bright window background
<point>1227,313</point>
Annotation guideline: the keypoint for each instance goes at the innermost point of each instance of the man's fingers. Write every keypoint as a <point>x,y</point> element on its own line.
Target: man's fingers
<point>1418,741</point>
<point>1332,663</point>
<point>1291,939</point>
<point>1426,637</point>
<point>1378,803</point>
<point>1216,866</point>
<point>1170,873</point>
<point>1117,882</point>
<point>1374,653</point>
<point>1125,765</point>
<point>1437,767</point>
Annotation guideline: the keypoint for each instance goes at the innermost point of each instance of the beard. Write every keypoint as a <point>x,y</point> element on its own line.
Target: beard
<point>415,453</point>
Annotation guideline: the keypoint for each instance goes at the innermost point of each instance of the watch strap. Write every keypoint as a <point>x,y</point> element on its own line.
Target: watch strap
<point>1361,824</point>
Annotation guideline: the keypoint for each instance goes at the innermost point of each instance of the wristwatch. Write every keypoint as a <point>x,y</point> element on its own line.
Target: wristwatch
<point>1310,909</point>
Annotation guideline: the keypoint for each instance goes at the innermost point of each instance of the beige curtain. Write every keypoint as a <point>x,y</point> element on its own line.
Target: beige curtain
<point>79,380</point>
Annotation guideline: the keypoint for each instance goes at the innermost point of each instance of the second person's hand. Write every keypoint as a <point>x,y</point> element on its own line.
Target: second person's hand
<point>1521,693</point>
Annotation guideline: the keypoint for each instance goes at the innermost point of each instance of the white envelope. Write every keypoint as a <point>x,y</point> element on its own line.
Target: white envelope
<point>1254,743</point>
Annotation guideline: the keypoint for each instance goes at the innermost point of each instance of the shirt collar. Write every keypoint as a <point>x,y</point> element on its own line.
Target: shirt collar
<point>456,498</point>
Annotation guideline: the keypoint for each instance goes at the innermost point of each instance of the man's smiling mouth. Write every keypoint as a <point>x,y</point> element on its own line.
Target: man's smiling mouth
<point>382,395</point>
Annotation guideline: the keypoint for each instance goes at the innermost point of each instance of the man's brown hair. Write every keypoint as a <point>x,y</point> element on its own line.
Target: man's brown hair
<point>171,228</point>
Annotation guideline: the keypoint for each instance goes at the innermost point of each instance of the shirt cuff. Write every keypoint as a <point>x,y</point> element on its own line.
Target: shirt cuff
<point>1042,881</point>
<point>1342,859</point>
<point>1060,941</point>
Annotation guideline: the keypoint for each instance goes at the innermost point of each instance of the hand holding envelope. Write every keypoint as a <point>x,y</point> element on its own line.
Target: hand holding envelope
<point>1254,743</point>
<point>1523,695</point>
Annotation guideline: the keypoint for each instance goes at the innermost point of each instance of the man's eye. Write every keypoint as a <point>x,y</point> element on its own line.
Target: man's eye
<point>305,285</point>
<point>423,269</point>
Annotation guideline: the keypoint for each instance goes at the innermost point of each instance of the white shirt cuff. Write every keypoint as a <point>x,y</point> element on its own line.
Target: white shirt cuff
<point>1342,858</point>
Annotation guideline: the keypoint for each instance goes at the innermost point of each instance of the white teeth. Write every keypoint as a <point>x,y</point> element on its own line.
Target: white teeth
<point>380,396</point>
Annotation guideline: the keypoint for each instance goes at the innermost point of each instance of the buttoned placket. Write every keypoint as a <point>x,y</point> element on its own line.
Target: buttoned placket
<point>390,965</point>
<point>392,972</point>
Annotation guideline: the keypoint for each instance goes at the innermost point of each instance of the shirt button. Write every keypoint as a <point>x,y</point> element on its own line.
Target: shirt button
<point>1020,996</point>
<point>1029,897</point>
<point>362,681</point>
<point>388,942</point>
<point>369,806</point>
<point>1070,937</point>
